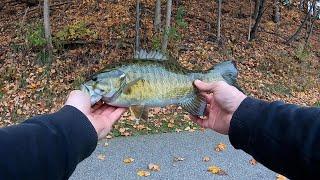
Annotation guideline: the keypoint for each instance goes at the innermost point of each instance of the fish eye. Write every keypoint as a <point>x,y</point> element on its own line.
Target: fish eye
<point>94,78</point>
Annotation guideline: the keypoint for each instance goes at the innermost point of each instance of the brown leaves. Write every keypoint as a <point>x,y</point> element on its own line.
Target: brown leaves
<point>143,173</point>
<point>216,170</point>
<point>220,147</point>
<point>101,157</point>
<point>154,167</point>
<point>253,162</point>
<point>128,160</point>
<point>177,159</point>
<point>206,159</point>
<point>280,177</point>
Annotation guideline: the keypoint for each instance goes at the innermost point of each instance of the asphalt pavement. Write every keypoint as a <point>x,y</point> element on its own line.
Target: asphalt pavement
<point>106,162</point>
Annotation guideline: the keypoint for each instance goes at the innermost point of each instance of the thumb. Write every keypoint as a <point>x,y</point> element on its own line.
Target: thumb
<point>206,87</point>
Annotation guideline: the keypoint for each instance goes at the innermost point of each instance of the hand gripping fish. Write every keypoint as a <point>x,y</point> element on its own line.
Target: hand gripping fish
<point>154,80</point>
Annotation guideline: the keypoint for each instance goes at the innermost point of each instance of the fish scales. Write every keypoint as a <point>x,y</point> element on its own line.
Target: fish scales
<point>153,83</point>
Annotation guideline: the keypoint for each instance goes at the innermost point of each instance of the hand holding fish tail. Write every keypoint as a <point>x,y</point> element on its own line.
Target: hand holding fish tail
<point>101,116</point>
<point>223,100</point>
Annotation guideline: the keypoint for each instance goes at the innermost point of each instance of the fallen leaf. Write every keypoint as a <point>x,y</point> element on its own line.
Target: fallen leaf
<point>187,128</point>
<point>154,167</point>
<point>128,160</point>
<point>170,125</point>
<point>216,170</point>
<point>108,136</point>
<point>105,144</point>
<point>281,177</point>
<point>206,159</point>
<point>220,147</point>
<point>176,159</point>
<point>19,111</point>
<point>122,130</point>
<point>253,162</point>
<point>101,157</point>
<point>143,173</point>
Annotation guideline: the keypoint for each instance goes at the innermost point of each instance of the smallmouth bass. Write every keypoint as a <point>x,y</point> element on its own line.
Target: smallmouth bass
<point>153,80</point>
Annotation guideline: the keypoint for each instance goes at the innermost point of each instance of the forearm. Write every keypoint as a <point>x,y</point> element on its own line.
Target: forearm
<point>285,138</point>
<point>46,147</point>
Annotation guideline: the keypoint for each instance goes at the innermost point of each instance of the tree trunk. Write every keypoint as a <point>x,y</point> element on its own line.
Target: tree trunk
<point>294,36</point>
<point>258,19</point>
<point>157,19</point>
<point>276,11</point>
<point>313,20</point>
<point>219,21</point>
<point>301,6</point>
<point>256,9</point>
<point>47,28</point>
<point>137,44</point>
<point>167,27</point>
<point>250,21</point>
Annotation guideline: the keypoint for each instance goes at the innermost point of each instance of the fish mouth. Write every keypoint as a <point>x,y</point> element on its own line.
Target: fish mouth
<point>94,97</point>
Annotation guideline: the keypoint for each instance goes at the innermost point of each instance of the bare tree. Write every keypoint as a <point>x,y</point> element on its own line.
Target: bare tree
<point>137,44</point>
<point>276,11</point>
<point>250,20</point>
<point>256,9</point>
<point>301,6</point>
<point>315,13</point>
<point>258,19</point>
<point>157,19</point>
<point>47,28</point>
<point>167,27</point>
<point>219,21</point>
<point>295,35</point>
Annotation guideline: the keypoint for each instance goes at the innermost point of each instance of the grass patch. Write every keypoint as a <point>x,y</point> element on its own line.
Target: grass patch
<point>279,89</point>
<point>159,123</point>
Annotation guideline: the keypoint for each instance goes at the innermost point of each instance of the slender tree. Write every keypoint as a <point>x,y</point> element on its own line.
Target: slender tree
<point>137,44</point>
<point>258,19</point>
<point>250,21</point>
<point>47,28</point>
<point>167,27</point>
<point>256,9</point>
<point>219,21</point>
<point>157,19</point>
<point>307,16</point>
<point>276,11</point>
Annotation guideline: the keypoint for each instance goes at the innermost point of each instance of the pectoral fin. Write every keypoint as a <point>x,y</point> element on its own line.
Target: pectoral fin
<point>140,112</point>
<point>195,105</point>
<point>127,88</point>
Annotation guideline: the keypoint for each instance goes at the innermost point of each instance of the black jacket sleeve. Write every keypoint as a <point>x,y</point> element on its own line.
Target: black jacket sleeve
<point>47,146</point>
<point>283,137</point>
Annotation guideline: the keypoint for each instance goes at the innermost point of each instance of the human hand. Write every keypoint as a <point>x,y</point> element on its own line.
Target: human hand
<point>102,116</point>
<point>223,100</point>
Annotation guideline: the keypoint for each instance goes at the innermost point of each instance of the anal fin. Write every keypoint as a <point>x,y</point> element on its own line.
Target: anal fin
<point>195,105</point>
<point>140,112</point>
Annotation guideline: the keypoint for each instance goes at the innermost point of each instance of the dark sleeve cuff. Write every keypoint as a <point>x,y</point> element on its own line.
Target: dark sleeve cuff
<point>77,133</point>
<point>242,125</point>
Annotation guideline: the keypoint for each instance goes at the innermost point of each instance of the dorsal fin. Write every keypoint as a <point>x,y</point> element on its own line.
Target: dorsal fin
<point>152,55</point>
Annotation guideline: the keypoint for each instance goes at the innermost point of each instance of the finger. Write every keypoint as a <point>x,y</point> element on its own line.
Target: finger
<point>116,114</point>
<point>96,107</point>
<point>200,121</point>
<point>208,97</point>
<point>104,109</point>
<point>206,87</point>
